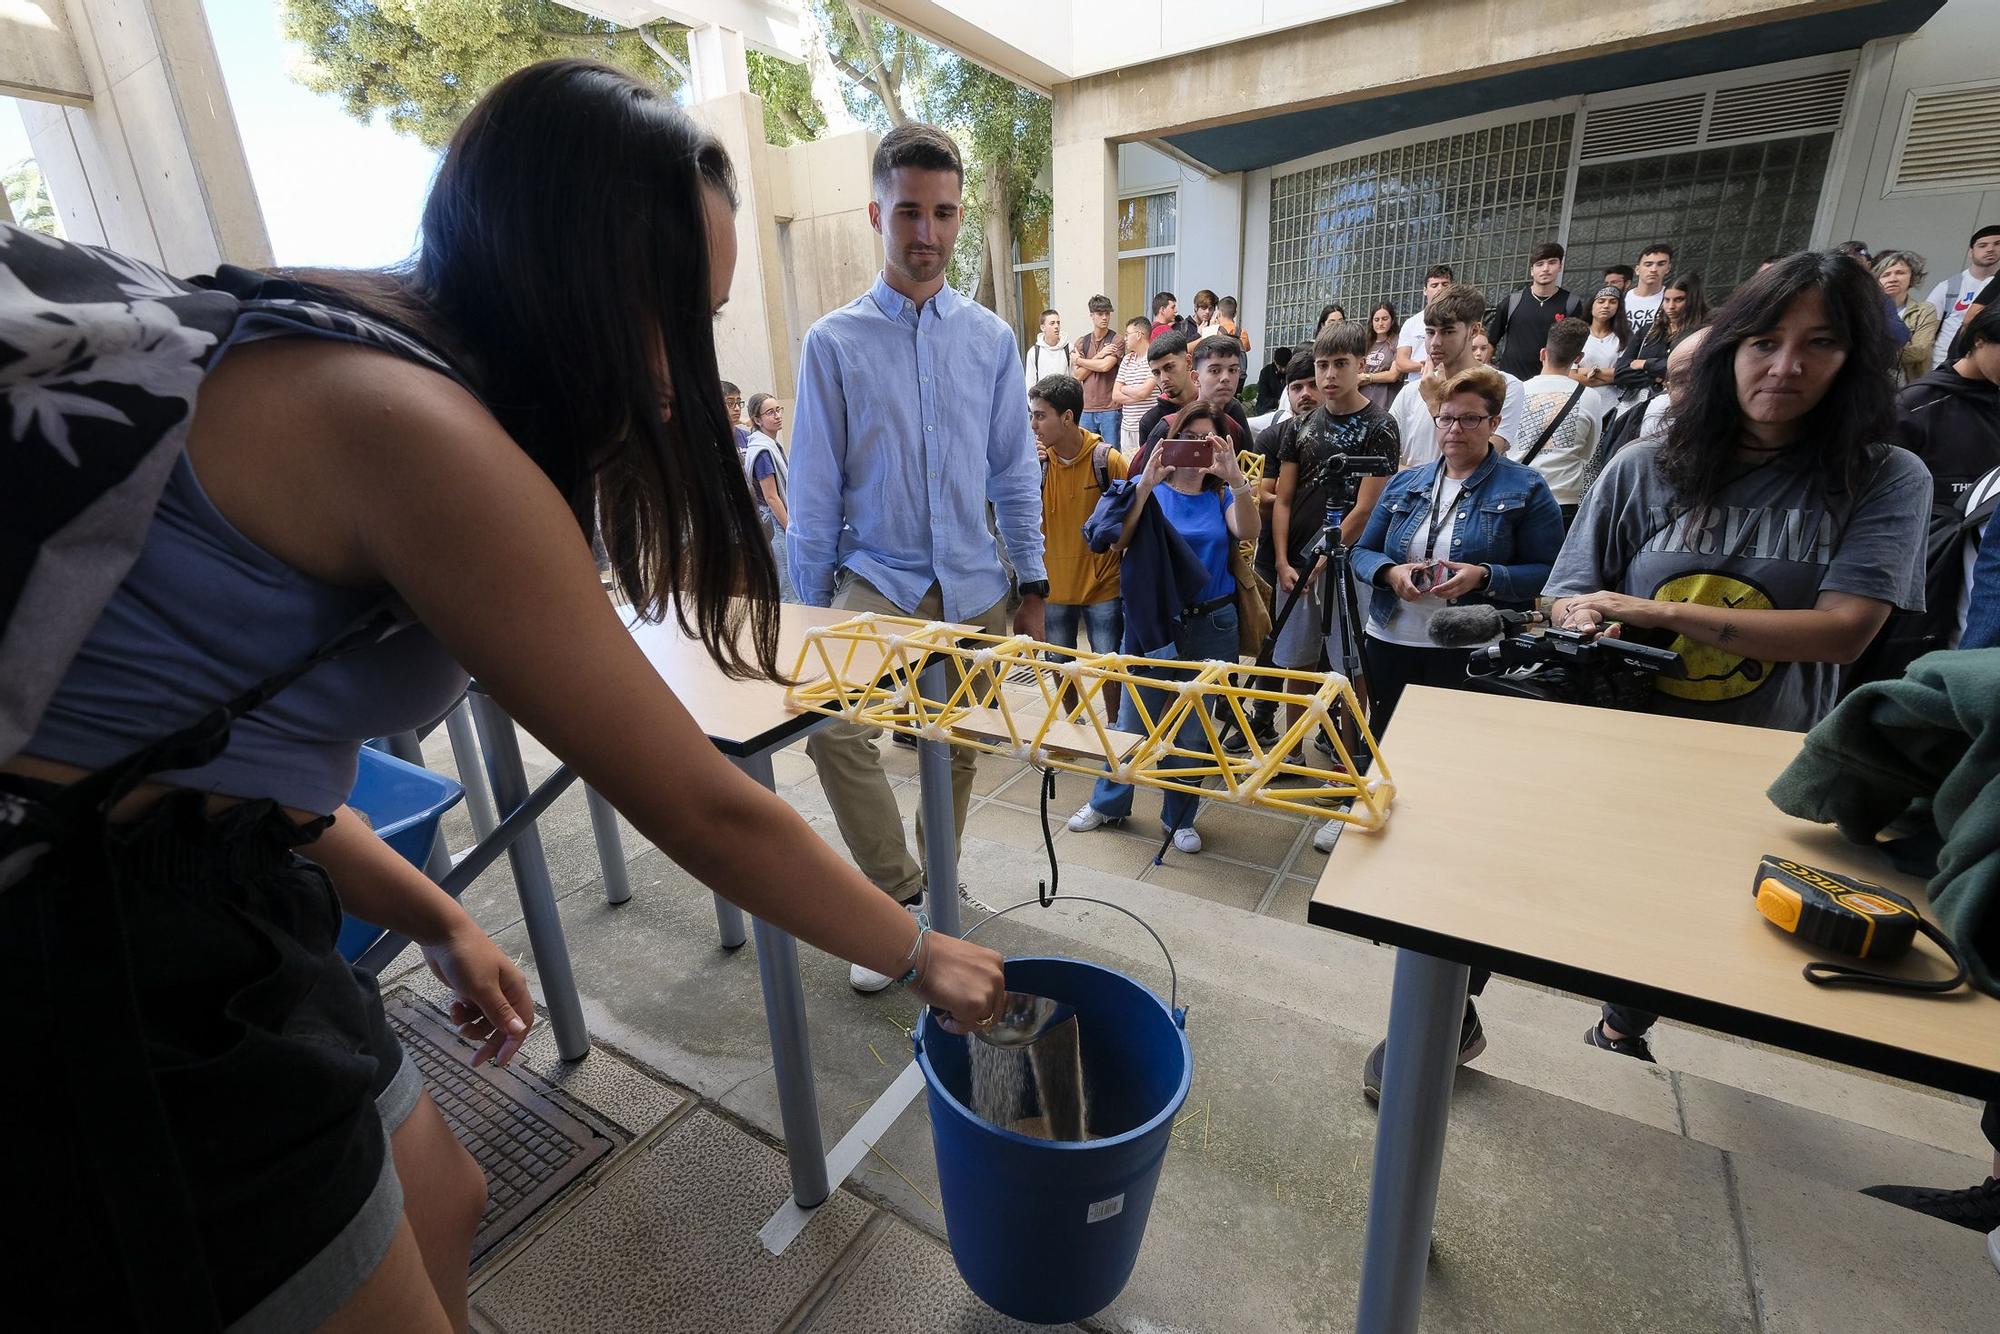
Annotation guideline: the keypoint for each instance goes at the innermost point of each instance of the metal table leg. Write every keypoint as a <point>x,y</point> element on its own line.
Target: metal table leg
<point>1426,1009</point>
<point>531,883</point>
<point>610,847</point>
<point>791,1043</point>
<point>940,816</point>
<point>471,768</point>
<point>409,748</point>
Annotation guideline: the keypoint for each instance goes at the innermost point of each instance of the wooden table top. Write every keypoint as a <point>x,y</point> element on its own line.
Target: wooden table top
<point>1611,854</point>
<point>740,717</point>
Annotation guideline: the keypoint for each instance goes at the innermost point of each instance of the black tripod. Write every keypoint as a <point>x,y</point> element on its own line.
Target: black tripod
<point>1340,477</point>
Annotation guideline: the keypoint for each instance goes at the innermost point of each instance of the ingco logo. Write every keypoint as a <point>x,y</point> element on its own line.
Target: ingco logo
<point>1816,878</point>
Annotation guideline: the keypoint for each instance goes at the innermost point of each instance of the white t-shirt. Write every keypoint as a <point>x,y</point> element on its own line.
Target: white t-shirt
<point>1409,622</point>
<point>1600,352</point>
<point>1641,310</point>
<point>1952,314</point>
<point>1412,337</point>
<point>1567,454</point>
<point>1419,432</point>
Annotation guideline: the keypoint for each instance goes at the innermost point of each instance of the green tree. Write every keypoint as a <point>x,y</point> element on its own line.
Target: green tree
<point>28,197</point>
<point>423,63</point>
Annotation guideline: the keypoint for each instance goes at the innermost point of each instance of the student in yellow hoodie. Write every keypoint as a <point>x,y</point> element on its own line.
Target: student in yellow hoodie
<point>1076,467</point>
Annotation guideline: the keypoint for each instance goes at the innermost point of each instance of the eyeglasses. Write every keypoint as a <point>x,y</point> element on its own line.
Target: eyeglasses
<point>1462,423</point>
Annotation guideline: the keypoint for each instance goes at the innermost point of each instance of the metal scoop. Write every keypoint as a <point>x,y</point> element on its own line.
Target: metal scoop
<point>1022,1019</point>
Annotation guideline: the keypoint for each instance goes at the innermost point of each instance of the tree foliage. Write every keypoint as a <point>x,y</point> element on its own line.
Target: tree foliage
<point>423,63</point>
<point>28,197</point>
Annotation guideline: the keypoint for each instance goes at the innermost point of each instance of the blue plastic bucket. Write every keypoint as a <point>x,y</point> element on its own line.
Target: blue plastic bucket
<point>1049,1231</point>
<point>404,804</point>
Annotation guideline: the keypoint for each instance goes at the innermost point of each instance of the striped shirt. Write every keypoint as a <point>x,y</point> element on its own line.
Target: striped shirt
<point>1134,370</point>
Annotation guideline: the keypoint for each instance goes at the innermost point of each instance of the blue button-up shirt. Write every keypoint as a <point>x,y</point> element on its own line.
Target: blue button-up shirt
<point>908,423</point>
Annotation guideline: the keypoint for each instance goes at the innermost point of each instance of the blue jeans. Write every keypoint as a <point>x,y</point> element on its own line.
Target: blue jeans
<point>1104,620</point>
<point>779,554</point>
<point>1104,423</point>
<point>1202,637</point>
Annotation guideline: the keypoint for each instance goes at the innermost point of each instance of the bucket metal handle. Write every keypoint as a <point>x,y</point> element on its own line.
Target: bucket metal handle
<point>1173,974</point>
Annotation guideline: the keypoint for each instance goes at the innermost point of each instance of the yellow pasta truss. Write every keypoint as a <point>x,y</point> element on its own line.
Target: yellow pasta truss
<point>871,671</point>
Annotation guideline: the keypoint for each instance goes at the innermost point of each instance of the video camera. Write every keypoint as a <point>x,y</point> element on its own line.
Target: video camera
<point>1564,666</point>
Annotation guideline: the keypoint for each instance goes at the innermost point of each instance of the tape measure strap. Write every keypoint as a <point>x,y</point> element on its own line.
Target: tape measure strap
<point>1824,974</point>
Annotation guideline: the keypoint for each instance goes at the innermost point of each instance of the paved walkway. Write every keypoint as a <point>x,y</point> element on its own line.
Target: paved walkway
<point>1582,1191</point>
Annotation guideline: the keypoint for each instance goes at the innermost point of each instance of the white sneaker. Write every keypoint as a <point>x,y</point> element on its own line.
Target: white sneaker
<point>1087,818</point>
<point>1326,835</point>
<point>867,979</point>
<point>1187,840</point>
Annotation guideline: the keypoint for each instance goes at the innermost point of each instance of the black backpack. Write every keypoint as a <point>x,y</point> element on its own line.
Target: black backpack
<point>1908,635</point>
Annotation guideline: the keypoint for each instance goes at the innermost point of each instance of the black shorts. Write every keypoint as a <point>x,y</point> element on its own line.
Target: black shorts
<point>205,1089</point>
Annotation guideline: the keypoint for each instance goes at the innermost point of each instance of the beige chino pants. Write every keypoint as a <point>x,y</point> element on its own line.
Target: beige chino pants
<point>850,766</point>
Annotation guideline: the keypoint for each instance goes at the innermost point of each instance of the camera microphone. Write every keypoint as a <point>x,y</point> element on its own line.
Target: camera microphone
<point>1469,627</point>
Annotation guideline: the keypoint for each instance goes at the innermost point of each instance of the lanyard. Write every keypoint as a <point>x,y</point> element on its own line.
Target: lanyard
<point>1438,510</point>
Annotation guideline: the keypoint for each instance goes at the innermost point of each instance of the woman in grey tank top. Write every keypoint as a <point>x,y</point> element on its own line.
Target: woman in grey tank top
<point>576,246</point>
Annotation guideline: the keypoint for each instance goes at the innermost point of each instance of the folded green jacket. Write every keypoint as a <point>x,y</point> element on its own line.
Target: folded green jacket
<point>1921,753</point>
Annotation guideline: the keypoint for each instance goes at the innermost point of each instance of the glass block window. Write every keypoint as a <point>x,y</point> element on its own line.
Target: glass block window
<point>1365,229</point>
<point>1723,209</point>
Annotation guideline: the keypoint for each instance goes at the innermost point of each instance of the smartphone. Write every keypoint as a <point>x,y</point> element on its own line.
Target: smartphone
<point>1426,577</point>
<point>1187,452</point>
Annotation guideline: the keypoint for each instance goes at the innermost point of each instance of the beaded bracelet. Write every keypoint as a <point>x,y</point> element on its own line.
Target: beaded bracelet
<point>915,957</point>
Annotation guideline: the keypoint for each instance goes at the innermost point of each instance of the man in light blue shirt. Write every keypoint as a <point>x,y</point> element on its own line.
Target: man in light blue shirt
<point>910,422</point>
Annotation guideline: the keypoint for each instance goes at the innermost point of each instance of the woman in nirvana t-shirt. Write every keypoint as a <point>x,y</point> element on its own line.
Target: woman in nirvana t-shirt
<point>1767,538</point>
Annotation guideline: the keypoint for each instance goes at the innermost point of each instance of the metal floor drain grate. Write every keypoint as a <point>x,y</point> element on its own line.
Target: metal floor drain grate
<point>528,1147</point>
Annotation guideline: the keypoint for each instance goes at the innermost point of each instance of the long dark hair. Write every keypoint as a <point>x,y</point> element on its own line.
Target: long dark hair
<point>1841,430</point>
<point>564,262</point>
<point>1693,317</point>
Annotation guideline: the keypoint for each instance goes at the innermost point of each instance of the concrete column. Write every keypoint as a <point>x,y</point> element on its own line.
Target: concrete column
<point>718,61</point>
<point>1083,220</point>
<point>833,253</point>
<point>150,163</point>
<point>751,344</point>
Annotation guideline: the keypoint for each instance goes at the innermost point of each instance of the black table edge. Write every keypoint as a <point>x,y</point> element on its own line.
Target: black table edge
<point>1862,1053</point>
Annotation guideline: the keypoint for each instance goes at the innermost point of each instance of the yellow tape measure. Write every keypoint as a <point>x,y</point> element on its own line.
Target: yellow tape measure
<point>1847,916</point>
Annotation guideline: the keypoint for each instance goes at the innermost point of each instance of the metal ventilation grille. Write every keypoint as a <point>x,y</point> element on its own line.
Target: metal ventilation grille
<point>1643,127</point>
<point>1789,106</point>
<point>1947,140</point>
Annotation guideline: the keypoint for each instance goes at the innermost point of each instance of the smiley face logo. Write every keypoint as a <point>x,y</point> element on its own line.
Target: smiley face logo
<point>1714,674</point>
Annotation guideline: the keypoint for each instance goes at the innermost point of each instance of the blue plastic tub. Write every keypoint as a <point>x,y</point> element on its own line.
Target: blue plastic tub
<point>404,803</point>
<point>1049,1231</point>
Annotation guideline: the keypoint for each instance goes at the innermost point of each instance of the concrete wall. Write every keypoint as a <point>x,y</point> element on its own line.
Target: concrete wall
<point>1958,45</point>
<point>38,54</point>
<point>829,253</point>
<point>1402,47</point>
<point>151,163</point>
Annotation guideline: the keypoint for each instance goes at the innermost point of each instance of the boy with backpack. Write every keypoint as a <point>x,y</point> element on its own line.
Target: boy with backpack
<point>1077,467</point>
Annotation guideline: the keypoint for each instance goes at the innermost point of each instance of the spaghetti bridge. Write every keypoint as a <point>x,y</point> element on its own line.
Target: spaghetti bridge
<point>872,671</point>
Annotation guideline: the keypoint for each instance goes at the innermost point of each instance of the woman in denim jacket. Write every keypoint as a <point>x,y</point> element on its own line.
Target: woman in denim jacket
<point>1493,540</point>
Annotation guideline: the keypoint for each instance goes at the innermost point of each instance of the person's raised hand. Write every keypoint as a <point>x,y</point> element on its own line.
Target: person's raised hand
<point>1156,468</point>
<point>1223,462</point>
<point>492,1004</point>
<point>963,980</point>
